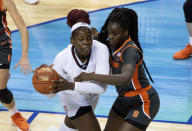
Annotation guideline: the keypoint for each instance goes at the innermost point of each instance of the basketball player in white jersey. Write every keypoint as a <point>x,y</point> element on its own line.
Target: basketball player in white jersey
<point>79,99</point>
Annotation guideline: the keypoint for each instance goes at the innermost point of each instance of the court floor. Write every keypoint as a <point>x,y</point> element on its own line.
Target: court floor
<point>162,32</point>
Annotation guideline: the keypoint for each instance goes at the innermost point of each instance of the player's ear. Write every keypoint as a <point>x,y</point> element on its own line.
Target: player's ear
<point>72,40</point>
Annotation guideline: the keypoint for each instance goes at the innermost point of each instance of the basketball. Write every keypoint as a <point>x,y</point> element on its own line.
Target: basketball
<point>43,77</point>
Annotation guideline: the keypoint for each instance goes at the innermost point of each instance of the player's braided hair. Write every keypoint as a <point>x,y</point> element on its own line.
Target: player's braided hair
<point>128,20</point>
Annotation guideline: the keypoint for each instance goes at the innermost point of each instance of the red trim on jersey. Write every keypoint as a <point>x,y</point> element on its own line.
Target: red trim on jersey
<point>84,66</point>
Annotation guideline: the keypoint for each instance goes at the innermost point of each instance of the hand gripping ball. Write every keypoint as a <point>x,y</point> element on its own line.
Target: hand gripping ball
<point>43,77</point>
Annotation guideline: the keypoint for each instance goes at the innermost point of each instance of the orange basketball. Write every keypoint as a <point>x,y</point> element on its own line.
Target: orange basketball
<point>42,79</point>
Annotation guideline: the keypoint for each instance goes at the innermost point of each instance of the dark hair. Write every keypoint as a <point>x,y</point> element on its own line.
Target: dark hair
<point>77,15</point>
<point>128,20</point>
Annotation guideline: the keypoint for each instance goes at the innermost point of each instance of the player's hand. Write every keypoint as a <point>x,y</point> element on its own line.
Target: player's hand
<point>95,34</point>
<point>43,65</point>
<point>83,77</point>
<point>61,85</point>
<point>25,65</point>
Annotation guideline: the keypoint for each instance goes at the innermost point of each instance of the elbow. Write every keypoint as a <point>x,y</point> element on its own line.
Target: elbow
<point>102,89</point>
<point>23,29</point>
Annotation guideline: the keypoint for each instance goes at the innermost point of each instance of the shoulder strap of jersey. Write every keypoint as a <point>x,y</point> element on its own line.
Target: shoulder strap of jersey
<point>134,46</point>
<point>121,48</point>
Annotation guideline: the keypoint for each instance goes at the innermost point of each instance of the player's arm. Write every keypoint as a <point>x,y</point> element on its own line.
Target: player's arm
<point>130,58</point>
<point>10,6</point>
<point>115,79</point>
<point>102,67</point>
<point>58,66</point>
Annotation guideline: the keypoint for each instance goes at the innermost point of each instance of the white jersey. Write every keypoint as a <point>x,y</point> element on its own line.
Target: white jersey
<point>67,65</point>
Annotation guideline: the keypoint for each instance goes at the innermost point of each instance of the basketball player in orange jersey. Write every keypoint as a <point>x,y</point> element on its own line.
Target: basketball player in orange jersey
<point>137,103</point>
<point>84,54</point>
<point>187,51</point>
<point>6,96</point>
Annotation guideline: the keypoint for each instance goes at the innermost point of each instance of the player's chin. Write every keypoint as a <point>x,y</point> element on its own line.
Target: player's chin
<point>86,52</point>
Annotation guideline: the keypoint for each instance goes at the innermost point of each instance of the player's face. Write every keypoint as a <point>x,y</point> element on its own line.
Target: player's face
<point>116,35</point>
<point>82,41</point>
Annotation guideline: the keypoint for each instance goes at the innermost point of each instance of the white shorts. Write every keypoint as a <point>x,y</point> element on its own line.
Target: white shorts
<point>73,100</point>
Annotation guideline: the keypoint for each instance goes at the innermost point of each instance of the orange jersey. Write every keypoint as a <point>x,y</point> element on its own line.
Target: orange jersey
<point>121,57</point>
<point>5,33</point>
<point>137,102</point>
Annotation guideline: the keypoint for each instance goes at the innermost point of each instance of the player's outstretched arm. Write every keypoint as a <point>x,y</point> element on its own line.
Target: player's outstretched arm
<point>9,5</point>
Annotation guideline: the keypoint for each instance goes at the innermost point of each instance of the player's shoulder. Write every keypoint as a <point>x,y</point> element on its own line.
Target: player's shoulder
<point>99,46</point>
<point>64,52</point>
<point>63,55</point>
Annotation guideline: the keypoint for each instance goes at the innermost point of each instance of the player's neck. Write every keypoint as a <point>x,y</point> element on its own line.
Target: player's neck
<point>82,58</point>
